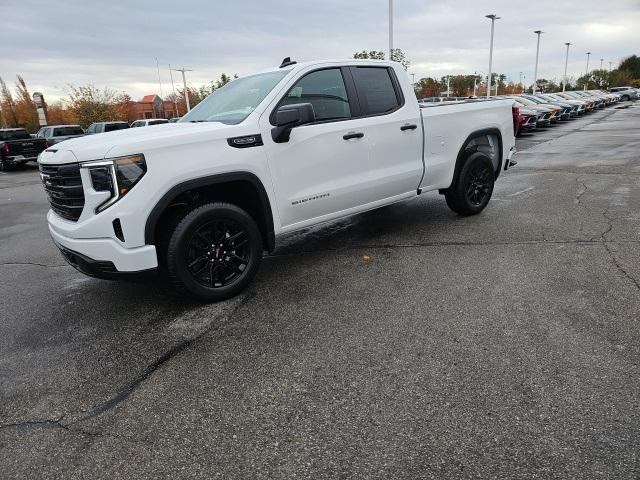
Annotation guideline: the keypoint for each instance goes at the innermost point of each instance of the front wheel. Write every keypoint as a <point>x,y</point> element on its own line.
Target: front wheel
<point>214,251</point>
<point>472,189</point>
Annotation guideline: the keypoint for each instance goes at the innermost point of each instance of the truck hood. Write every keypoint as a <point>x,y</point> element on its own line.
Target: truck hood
<point>134,140</point>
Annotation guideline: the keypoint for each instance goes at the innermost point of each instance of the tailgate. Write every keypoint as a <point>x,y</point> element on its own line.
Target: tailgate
<point>26,148</point>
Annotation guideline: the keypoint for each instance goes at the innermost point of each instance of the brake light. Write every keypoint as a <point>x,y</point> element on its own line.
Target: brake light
<point>46,143</point>
<point>5,148</point>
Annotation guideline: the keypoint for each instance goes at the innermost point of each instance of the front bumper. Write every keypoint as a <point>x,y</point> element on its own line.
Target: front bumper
<point>105,250</point>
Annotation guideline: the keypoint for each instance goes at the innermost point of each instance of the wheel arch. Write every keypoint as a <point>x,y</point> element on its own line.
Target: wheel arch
<point>464,152</point>
<point>189,190</point>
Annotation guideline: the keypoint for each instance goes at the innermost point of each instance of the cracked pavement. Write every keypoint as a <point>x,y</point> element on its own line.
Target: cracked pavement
<point>405,342</point>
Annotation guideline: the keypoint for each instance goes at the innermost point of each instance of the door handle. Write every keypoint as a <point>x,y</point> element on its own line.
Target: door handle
<point>351,135</point>
<point>408,126</point>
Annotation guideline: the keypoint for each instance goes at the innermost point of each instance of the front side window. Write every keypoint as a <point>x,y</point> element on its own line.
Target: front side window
<point>235,101</point>
<point>325,90</point>
<point>375,90</point>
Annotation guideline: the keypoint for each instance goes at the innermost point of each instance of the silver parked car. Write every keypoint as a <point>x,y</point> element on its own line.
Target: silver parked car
<point>627,93</point>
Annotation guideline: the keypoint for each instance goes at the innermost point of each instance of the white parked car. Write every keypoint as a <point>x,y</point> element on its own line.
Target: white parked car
<point>266,154</point>
<point>148,122</point>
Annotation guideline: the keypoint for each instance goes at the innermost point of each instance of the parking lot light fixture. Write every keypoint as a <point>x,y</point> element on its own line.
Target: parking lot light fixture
<point>534,87</point>
<point>493,18</point>
<point>566,62</point>
<point>601,60</point>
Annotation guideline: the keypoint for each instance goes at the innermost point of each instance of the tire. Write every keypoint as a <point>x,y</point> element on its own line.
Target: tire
<point>214,252</point>
<point>472,188</point>
<point>4,166</point>
<point>626,98</point>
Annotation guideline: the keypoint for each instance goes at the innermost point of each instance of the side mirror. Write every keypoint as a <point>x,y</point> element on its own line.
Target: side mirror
<point>289,117</point>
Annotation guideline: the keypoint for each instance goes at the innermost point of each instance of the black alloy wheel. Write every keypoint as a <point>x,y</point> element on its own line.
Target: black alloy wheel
<point>214,251</point>
<point>473,186</point>
<point>479,183</point>
<point>218,253</point>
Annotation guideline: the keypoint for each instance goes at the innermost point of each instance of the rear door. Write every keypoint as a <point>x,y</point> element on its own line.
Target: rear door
<point>393,130</point>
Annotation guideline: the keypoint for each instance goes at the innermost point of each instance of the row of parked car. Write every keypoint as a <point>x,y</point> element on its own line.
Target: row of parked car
<point>543,109</point>
<point>17,146</point>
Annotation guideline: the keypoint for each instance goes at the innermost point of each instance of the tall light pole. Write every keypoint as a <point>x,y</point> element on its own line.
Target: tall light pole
<point>601,60</point>
<point>534,88</point>
<point>586,70</point>
<point>390,29</point>
<point>173,87</point>
<point>610,63</point>
<point>566,62</point>
<point>184,82</point>
<point>493,18</point>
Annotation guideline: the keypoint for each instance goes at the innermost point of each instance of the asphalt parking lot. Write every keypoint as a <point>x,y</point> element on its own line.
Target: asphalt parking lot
<point>406,342</point>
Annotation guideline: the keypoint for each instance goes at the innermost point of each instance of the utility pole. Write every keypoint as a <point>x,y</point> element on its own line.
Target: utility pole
<point>173,87</point>
<point>566,62</point>
<point>493,18</point>
<point>601,60</point>
<point>184,82</point>
<point>390,30</point>
<point>610,63</point>
<point>534,88</point>
<point>448,78</point>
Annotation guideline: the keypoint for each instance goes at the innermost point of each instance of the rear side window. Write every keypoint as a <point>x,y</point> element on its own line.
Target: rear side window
<point>157,122</point>
<point>376,90</point>
<point>64,131</point>
<point>8,135</point>
<point>325,90</point>
<point>110,127</point>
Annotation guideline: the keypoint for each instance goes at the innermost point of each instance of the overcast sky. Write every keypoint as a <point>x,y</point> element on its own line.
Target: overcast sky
<point>114,43</point>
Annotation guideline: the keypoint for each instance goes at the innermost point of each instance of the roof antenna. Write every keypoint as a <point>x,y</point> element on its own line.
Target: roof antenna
<point>287,61</point>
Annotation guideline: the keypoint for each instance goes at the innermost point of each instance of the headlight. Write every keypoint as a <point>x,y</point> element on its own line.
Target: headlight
<point>116,175</point>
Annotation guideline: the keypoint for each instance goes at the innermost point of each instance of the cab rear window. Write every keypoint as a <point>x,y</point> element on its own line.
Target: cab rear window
<point>7,135</point>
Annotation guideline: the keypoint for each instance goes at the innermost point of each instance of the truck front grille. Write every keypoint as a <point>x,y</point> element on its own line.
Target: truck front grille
<point>64,189</point>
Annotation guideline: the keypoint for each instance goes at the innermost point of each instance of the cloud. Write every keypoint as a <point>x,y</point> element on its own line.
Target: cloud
<point>115,43</point>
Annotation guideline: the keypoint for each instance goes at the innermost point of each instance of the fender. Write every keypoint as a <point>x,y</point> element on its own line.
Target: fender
<point>176,190</point>
<point>479,133</point>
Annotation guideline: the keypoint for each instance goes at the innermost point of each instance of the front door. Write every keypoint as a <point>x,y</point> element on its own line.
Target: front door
<point>319,171</point>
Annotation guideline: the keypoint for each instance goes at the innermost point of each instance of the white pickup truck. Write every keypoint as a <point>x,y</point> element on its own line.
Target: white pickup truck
<point>270,153</point>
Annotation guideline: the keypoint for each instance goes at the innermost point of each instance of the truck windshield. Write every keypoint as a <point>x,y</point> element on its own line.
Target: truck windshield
<point>234,102</point>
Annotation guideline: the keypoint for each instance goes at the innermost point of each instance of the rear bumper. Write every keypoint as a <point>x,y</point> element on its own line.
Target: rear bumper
<point>92,255</point>
<point>510,162</point>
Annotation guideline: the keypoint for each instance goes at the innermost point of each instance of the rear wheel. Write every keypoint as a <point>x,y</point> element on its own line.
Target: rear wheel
<point>472,189</point>
<point>626,98</point>
<point>214,251</point>
<point>4,166</point>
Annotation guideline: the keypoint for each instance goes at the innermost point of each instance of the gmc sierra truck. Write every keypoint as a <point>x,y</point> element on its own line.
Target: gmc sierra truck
<point>201,200</point>
<point>18,147</point>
